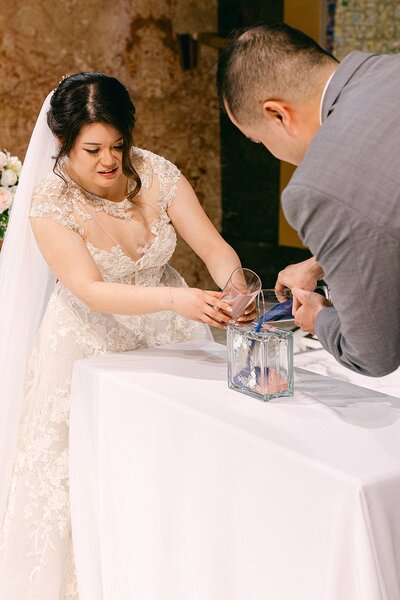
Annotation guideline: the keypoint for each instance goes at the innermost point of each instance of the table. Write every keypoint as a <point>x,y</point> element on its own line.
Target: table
<point>182,489</point>
<point>320,361</point>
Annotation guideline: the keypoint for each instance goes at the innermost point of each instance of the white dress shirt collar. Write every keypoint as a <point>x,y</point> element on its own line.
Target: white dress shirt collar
<point>323,96</point>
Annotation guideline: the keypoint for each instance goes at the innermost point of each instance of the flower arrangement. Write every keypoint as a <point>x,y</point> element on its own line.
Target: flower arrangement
<point>10,169</point>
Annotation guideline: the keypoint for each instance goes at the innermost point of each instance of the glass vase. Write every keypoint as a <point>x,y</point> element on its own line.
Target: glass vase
<point>260,364</point>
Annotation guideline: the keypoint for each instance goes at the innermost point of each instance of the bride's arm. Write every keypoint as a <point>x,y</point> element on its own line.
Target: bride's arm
<point>69,259</point>
<point>194,226</point>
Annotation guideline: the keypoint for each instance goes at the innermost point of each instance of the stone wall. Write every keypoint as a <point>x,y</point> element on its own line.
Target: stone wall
<point>369,25</point>
<point>135,41</point>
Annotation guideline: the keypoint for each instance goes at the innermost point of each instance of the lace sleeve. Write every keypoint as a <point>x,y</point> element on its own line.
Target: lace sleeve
<point>51,201</point>
<point>157,170</point>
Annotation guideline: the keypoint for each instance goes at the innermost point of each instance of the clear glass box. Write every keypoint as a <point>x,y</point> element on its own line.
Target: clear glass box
<point>260,364</point>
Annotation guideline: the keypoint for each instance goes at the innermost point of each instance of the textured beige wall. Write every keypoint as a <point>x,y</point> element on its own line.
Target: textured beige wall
<point>369,25</point>
<point>135,41</point>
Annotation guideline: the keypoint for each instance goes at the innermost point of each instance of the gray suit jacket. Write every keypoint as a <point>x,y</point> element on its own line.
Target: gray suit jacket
<point>344,200</point>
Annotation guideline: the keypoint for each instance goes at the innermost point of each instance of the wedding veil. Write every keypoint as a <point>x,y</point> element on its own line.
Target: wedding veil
<point>25,286</point>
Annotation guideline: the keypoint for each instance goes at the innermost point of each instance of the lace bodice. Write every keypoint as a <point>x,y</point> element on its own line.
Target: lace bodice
<point>130,241</point>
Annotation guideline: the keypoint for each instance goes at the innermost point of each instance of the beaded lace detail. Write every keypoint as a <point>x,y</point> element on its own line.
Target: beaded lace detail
<point>131,243</point>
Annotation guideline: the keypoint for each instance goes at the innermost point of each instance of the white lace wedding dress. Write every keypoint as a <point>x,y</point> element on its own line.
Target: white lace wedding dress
<point>131,243</point>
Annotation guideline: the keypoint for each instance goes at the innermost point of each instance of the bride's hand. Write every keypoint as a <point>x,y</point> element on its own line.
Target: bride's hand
<point>200,305</point>
<point>249,315</point>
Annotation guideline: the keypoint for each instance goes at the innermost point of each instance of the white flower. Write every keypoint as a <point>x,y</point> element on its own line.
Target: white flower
<point>5,199</point>
<point>3,159</point>
<point>237,342</point>
<point>15,164</point>
<point>252,379</point>
<point>8,178</point>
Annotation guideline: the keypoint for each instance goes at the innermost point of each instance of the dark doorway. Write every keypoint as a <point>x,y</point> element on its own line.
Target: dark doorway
<point>250,174</point>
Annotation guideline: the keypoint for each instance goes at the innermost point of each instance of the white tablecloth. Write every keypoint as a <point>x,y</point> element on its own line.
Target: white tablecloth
<point>182,489</point>
<point>320,361</point>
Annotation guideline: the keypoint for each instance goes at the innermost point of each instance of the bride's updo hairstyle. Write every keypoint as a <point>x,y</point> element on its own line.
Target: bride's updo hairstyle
<point>87,98</point>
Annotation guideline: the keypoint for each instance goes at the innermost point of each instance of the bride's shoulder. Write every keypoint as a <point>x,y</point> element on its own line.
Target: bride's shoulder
<point>51,185</point>
<point>148,163</point>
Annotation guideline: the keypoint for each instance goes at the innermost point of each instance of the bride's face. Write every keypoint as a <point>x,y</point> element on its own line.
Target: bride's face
<point>96,158</point>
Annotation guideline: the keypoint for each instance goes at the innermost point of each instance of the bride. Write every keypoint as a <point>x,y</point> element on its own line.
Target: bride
<point>104,218</point>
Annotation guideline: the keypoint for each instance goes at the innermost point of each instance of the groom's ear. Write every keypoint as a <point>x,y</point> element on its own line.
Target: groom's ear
<point>278,113</point>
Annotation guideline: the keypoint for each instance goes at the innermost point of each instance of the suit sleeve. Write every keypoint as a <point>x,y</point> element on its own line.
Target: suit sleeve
<point>361,262</point>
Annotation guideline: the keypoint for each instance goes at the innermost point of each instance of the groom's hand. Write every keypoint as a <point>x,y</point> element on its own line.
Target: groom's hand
<point>302,275</point>
<point>308,304</point>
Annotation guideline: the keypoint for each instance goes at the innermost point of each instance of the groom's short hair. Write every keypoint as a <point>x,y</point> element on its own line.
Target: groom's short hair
<point>265,62</point>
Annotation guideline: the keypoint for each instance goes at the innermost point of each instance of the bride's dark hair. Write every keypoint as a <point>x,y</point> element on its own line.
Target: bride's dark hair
<point>86,98</point>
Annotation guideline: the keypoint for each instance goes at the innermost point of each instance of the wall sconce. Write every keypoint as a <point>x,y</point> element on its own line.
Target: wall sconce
<point>188,44</point>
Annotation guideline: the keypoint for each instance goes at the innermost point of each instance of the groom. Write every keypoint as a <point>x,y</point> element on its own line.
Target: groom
<point>340,123</point>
